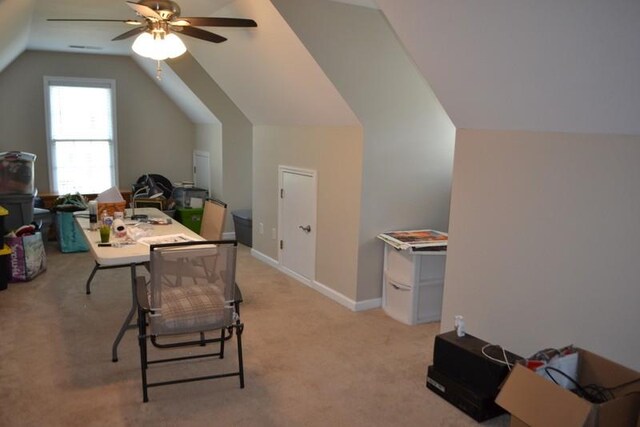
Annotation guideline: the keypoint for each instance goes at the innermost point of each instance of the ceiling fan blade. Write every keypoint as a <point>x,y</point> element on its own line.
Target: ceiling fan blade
<point>202,34</point>
<point>220,22</point>
<point>126,21</point>
<point>179,23</point>
<point>143,10</point>
<point>130,33</point>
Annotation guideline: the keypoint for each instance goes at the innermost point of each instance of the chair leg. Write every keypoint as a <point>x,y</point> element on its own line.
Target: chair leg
<point>240,327</point>
<point>222,343</point>
<point>93,273</point>
<point>142,342</point>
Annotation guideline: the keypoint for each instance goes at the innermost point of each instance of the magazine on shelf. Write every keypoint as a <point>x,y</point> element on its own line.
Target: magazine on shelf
<point>416,240</point>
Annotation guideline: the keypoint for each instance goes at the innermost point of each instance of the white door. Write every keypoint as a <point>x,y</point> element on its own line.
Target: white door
<point>297,221</point>
<point>201,171</point>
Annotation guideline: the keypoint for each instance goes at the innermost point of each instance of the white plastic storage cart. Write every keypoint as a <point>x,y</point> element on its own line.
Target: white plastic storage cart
<point>413,278</point>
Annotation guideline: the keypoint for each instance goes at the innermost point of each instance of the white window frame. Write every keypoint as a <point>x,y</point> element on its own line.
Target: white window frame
<point>80,82</point>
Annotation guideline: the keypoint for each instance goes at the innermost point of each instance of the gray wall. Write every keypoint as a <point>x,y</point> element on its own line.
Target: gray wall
<point>237,134</point>
<point>153,134</point>
<point>408,138</point>
<point>543,248</point>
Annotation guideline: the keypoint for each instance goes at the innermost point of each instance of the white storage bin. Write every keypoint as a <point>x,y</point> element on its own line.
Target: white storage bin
<point>413,304</point>
<point>413,285</point>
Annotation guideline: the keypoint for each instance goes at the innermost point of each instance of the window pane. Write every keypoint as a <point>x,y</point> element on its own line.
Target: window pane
<point>83,166</point>
<point>80,112</point>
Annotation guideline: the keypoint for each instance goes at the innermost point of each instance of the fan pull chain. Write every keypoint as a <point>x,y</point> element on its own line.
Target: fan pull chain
<point>159,72</point>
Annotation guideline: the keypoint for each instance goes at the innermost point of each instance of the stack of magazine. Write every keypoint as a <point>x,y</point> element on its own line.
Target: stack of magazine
<point>416,240</point>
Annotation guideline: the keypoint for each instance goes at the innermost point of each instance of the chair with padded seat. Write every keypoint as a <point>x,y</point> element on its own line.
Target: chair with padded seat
<point>191,292</point>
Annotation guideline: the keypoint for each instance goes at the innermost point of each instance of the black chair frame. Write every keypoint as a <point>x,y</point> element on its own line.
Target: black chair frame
<point>225,334</point>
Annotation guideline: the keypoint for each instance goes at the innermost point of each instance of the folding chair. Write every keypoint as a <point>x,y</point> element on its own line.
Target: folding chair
<point>213,217</point>
<point>191,290</point>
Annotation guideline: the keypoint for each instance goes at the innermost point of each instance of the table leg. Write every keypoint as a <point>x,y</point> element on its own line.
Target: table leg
<point>127,321</point>
<point>93,273</point>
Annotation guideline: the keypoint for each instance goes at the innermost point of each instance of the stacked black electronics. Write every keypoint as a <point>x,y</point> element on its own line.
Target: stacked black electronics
<point>465,377</point>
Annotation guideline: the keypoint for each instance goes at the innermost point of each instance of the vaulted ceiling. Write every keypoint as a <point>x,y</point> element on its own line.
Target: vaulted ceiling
<point>568,65</point>
<point>266,71</point>
<point>543,65</point>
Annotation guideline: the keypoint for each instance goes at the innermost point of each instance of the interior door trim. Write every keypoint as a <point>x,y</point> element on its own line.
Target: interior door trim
<point>282,169</point>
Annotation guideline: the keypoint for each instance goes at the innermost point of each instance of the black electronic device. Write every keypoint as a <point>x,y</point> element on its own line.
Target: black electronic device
<point>471,361</point>
<point>468,373</point>
<point>478,406</point>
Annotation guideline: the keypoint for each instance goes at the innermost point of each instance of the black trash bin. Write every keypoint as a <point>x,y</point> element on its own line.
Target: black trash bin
<point>243,223</point>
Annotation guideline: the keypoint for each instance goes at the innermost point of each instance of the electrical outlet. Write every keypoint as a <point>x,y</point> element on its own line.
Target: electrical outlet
<point>261,228</point>
<point>274,234</point>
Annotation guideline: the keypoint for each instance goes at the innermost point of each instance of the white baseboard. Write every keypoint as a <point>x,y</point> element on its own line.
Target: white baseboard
<point>368,304</point>
<point>323,289</point>
<point>267,260</point>
<point>229,235</point>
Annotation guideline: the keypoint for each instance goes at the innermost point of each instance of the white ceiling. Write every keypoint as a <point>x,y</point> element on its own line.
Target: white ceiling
<point>96,36</point>
<point>266,71</point>
<point>569,66</point>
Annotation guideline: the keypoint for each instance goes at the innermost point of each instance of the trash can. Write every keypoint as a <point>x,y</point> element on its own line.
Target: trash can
<point>243,224</point>
<point>20,207</point>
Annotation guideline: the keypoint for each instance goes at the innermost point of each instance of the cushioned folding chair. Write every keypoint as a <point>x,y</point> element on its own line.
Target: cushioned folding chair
<point>213,217</point>
<point>191,291</point>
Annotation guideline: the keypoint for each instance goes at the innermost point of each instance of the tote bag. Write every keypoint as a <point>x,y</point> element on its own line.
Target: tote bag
<point>28,258</point>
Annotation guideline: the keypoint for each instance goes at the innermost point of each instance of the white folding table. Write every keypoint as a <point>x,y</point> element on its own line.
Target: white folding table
<point>130,255</point>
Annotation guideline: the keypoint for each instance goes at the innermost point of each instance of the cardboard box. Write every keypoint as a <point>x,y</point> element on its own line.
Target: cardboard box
<point>535,401</point>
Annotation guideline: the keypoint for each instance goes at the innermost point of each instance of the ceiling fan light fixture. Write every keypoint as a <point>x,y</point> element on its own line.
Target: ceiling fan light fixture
<point>158,46</point>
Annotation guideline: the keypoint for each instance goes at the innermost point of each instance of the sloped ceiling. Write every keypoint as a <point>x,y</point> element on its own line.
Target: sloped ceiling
<point>266,71</point>
<point>544,65</point>
<point>269,74</point>
<point>15,23</point>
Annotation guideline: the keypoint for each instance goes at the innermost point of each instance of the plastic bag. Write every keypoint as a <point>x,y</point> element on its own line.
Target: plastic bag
<point>28,258</point>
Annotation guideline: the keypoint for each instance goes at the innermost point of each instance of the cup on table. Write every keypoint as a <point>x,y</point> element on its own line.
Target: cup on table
<point>105,232</point>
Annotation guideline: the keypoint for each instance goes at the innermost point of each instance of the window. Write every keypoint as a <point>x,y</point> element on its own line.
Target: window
<point>81,134</point>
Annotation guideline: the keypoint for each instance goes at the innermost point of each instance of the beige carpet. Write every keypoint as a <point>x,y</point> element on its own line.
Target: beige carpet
<point>308,360</point>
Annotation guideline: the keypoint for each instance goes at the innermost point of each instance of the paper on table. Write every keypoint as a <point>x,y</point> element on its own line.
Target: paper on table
<point>168,238</point>
<point>112,195</point>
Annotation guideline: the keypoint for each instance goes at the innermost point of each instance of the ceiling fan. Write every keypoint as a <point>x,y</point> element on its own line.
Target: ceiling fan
<point>159,20</point>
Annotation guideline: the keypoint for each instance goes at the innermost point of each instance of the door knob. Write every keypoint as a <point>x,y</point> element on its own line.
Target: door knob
<point>306,229</point>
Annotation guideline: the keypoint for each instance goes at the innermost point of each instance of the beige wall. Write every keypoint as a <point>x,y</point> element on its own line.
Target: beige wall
<point>408,138</point>
<point>544,239</point>
<point>237,135</point>
<point>153,134</point>
<point>336,154</point>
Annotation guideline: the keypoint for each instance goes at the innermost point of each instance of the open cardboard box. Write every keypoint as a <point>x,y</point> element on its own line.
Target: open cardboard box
<point>535,401</point>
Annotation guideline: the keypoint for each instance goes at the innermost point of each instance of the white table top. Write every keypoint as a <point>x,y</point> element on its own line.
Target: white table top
<point>131,253</point>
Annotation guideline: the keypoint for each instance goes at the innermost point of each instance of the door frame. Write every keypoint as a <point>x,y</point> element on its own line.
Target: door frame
<point>282,169</point>
<point>201,153</point>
